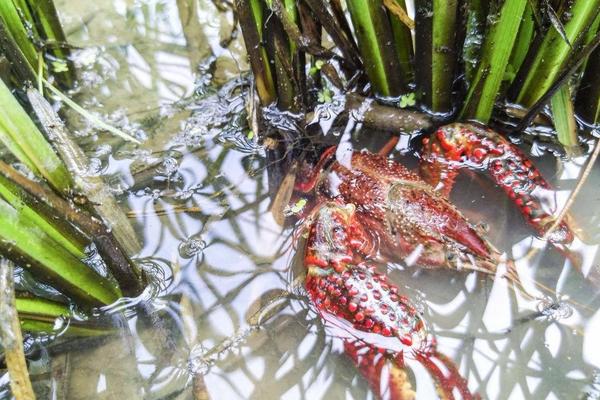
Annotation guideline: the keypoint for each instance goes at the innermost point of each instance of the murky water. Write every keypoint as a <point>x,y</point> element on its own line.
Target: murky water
<point>197,192</point>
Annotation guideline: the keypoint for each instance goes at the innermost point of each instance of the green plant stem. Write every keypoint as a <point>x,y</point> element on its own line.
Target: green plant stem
<point>50,27</point>
<point>20,67</point>
<point>10,16</point>
<point>554,52</point>
<point>14,195</point>
<point>250,14</point>
<point>564,119</point>
<point>336,26</point>
<point>404,45</point>
<point>40,315</point>
<point>376,44</point>
<point>476,14</point>
<point>435,36</point>
<point>522,42</point>
<point>24,243</point>
<point>499,41</point>
<point>111,251</point>
<point>20,135</point>
<point>280,47</point>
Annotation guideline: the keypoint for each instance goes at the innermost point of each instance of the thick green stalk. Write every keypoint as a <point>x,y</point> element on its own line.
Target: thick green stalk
<point>50,28</point>
<point>19,67</point>
<point>250,14</point>
<point>27,245</point>
<point>588,96</point>
<point>554,51</point>
<point>376,45</point>
<point>522,43</point>
<point>39,315</point>
<point>476,16</point>
<point>499,41</point>
<point>564,118</point>
<point>14,196</point>
<point>435,37</point>
<point>12,20</point>
<point>404,45</point>
<point>20,135</point>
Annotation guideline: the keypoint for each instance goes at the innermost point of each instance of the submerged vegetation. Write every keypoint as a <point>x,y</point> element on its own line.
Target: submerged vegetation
<point>51,213</point>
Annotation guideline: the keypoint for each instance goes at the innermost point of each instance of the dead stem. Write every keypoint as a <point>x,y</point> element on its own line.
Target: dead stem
<point>400,13</point>
<point>178,209</point>
<point>564,212</point>
<point>12,338</point>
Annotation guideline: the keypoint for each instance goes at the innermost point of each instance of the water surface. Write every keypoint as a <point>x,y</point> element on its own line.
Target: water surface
<point>198,194</point>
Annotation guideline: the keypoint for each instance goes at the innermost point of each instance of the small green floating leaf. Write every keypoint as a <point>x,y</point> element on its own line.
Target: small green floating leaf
<point>407,100</point>
<point>325,96</point>
<point>59,66</point>
<point>296,208</point>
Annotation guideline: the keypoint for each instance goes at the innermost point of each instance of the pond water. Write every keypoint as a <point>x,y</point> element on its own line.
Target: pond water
<point>226,317</point>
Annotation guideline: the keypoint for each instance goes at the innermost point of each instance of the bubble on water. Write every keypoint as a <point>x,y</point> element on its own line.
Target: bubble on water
<point>95,167</point>
<point>554,310</point>
<point>103,150</point>
<point>592,392</point>
<point>183,194</point>
<point>191,247</point>
<point>169,167</point>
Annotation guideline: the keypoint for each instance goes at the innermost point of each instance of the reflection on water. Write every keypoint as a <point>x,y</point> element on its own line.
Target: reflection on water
<point>231,319</point>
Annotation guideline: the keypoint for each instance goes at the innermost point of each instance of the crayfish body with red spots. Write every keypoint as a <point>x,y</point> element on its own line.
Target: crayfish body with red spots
<point>369,209</point>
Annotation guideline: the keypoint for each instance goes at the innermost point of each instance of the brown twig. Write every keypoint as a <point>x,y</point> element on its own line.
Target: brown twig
<point>385,118</point>
<point>12,338</point>
<point>582,180</point>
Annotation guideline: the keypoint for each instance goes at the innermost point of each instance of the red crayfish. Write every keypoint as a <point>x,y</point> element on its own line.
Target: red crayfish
<point>369,209</point>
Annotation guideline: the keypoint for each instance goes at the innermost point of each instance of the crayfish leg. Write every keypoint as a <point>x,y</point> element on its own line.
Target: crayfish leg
<point>371,361</point>
<point>467,145</point>
<point>448,380</point>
